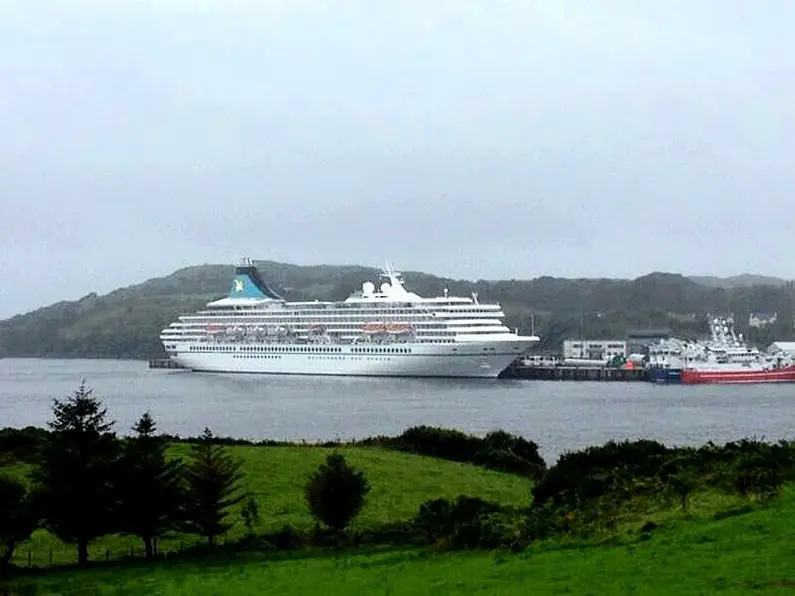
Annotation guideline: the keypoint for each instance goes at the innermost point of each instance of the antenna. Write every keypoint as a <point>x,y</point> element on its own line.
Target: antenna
<point>475,297</point>
<point>390,272</point>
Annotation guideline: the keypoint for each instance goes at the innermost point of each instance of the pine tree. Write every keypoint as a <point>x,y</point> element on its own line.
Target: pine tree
<point>77,471</point>
<point>150,495</point>
<point>213,482</point>
<point>336,492</point>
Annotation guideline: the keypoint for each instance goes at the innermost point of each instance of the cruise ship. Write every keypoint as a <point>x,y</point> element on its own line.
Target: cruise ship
<point>384,331</point>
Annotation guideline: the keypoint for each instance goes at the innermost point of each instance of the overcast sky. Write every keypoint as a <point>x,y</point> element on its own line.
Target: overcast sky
<point>467,138</point>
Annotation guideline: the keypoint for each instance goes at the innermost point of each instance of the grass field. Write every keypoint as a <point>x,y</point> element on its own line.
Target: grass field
<point>276,477</point>
<point>748,553</point>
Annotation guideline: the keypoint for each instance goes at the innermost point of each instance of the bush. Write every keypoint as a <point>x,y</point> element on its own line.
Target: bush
<point>469,522</point>
<point>250,514</point>
<point>22,444</point>
<point>459,523</point>
<point>758,474</point>
<point>498,450</point>
<point>287,538</point>
<point>582,476</point>
<point>336,492</point>
<point>19,517</point>
<point>438,442</point>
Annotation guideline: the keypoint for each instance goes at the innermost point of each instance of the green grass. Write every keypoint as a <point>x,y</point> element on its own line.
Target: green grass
<point>276,477</point>
<point>749,553</point>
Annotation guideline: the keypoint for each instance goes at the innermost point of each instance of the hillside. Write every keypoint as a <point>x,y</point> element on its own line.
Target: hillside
<point>126,322</point>
<point>736,281</point>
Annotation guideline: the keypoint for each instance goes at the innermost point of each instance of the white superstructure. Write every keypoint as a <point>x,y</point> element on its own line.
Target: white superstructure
<point>723,351</point>
<point>387,331</point>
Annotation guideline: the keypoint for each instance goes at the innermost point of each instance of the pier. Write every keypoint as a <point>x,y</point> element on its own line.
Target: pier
<point>574,373</point>
<point>163,362</point>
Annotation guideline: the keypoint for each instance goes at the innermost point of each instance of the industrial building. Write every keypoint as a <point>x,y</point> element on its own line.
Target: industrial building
<point>785,347</point>
<point>638,342</point>
<point>593,349</point>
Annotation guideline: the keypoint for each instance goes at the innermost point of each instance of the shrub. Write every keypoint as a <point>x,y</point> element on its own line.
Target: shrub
<point>582,476</point>
<point>24,444</point>
<point>758,474</point>
<point>498,450</point>
<point>440,518</point>
<point>19,517</point>
<point>250,514</point>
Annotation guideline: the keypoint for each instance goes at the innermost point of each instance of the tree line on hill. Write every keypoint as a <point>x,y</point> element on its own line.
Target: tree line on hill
<point>88,483</point>
<point>126,323</point>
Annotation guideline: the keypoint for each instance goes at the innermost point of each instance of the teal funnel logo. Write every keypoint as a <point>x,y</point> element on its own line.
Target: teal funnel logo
<point>243,287</point>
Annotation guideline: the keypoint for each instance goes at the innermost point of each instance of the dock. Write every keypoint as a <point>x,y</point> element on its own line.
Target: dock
<point>163,362</point>
<point>574,373</point>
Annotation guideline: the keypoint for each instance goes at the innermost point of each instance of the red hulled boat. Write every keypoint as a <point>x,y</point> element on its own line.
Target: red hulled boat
<point>692,376</point>
<point>728,359</point>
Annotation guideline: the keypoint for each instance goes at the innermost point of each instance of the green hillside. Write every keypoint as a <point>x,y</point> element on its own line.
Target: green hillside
<point>738,555</point>
<point>126,322</point>
<point>275,477</point>
<point>640,542</point>
<point>735,281</point>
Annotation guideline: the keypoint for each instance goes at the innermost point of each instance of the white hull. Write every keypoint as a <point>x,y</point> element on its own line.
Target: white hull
<point>475,360</point>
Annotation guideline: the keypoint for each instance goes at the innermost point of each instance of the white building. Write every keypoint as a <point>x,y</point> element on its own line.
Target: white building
<point>786,347</point>
<point>762,319</point>
<point>593,349</point>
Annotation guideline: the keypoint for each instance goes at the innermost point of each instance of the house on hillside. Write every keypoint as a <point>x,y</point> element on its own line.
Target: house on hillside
<point>762,319</point>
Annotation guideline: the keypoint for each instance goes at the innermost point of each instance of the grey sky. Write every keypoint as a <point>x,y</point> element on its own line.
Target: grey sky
<point>474,138</point>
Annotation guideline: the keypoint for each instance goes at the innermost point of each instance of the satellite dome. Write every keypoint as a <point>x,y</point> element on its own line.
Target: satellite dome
<point>385,287</point>
<point>368,287</point>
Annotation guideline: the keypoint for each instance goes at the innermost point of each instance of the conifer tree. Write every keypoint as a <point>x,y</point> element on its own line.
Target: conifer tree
<point>213,484</point>
<point>150,495</point>
<point>336,492</point>
<point>77,471</point>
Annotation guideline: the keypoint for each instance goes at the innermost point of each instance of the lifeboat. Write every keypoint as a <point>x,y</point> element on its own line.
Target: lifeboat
<point>373,328</point>
<point>398,328</point>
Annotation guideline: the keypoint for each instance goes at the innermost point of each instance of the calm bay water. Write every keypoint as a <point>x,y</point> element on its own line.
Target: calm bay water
<point>558,415</point>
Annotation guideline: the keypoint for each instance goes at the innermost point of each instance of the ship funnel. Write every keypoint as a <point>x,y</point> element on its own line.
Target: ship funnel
<point>248,283</point>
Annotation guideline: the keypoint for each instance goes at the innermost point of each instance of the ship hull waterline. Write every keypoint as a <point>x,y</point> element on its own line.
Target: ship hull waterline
<point>695,376</point>
<point>429,362</point>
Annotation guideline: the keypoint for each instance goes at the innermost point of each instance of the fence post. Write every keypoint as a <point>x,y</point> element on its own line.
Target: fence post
<point>50,557</point>
<point>28,558</point>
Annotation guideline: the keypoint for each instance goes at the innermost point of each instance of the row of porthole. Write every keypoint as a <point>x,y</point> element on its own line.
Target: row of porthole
<point>272,356</point>
<point>307,350</point>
